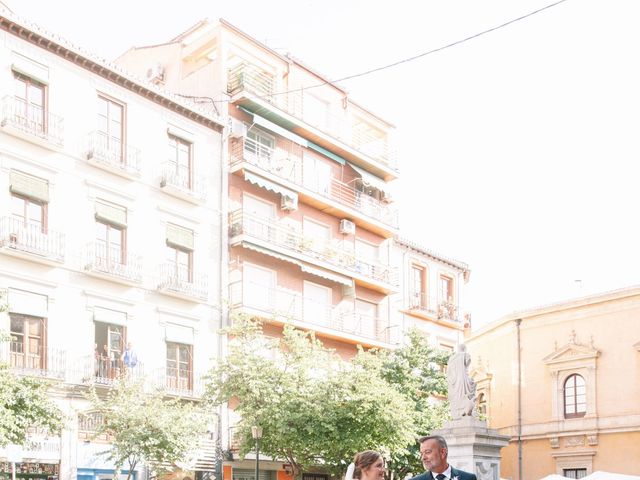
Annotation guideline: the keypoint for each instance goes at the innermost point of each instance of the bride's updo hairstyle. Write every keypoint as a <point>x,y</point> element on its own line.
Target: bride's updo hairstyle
<point>364,460</point>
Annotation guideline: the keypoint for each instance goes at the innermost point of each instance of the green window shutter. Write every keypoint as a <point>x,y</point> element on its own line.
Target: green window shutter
<point>29,186</point>
<point>114,214</point>
<point>179,237</point>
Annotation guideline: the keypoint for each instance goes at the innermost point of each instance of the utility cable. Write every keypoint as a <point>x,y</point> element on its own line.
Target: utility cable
<point>406,60</point>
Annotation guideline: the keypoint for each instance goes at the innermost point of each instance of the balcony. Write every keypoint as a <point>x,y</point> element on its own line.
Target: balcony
<point>37,362</point>
<point>30,239</point>
<point>178,382</point>
<point>292,172</point>
<point>111,154</point>
<point>359,136</point>
<point>420,303</point>
<point>270,233</point>
<point>113,262</point>
<point>32,120</point>
<point>183,184</point>
<point>284,306</point>
<point>183,283</point>
<point>106,371</point>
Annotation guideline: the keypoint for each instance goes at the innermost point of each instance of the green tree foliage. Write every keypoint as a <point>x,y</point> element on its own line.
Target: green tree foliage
<point>314,408</point>
<point>24,403</point>
<point>146,427</point>
<point>416,369</point>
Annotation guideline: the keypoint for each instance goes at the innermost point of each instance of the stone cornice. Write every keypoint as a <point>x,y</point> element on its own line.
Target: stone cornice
<point>35,36</point>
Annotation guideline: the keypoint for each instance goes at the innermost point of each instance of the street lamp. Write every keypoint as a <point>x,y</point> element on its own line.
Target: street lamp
<point>256,433</point>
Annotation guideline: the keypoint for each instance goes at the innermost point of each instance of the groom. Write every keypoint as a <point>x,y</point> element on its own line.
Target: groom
<point>433,452</point>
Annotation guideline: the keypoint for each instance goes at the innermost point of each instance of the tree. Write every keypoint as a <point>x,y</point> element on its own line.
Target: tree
<point>145,427</point>
<point>416,369</point>
<point>24,404</point>
<point>314,408</point>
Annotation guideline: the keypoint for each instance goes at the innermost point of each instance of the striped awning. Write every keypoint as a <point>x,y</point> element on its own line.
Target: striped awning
<point>269,185</point>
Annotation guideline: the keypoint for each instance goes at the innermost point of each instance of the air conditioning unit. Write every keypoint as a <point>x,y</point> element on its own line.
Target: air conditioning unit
<point>347,227</point>
<point>237,128</point>
<point>156,73</point>
<point>288,203</point>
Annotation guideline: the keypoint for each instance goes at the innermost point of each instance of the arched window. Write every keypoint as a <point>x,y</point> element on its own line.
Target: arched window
<point>575,397</point>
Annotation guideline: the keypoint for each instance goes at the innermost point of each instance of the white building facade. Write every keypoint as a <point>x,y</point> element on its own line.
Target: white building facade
<point>110,234</point>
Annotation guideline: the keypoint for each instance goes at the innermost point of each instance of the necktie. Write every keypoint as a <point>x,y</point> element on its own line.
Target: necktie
<point>440,476</point>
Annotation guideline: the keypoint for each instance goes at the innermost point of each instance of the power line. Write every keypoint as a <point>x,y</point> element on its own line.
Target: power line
<point>409,59</point>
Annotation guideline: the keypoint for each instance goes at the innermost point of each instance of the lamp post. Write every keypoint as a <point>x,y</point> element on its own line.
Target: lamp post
<point>256,433</point>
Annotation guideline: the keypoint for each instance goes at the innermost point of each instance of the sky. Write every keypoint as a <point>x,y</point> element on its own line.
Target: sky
<point>518,149</point>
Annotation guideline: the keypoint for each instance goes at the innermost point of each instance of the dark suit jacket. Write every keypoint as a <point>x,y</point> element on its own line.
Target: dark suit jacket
<point>454,473</point>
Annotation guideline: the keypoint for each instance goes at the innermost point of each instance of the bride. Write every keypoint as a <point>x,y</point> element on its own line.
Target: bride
<point>367,465</point>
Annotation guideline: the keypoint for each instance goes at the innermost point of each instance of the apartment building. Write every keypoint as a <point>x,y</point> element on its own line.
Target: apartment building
<point>310,217</point>
<point>110,235</point>
<point>562,381</point>
<point>432,294</point>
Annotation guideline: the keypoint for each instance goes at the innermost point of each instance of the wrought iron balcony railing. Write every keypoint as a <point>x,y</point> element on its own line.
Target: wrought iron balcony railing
<point>32,119</point>
<point>183,281</point>
<point>30,238</point>
<point>298,103</point>
<point>439,309</point>
<point>291,239</point>
<point>113,261</point>
<point>292,306</point>
<point>106,370</point>
<point>34,360</point>
<point>181,382</point>
<point>278,163</point>
<point>185,182</point>
<point>111,152</point>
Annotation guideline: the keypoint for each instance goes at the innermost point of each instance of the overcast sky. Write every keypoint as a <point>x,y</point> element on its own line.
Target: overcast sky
<point>518,149</point>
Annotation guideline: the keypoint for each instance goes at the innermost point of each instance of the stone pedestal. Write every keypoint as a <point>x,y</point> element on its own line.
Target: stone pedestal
<point>473,447</point>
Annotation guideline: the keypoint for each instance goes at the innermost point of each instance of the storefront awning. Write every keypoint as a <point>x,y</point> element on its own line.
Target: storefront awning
<point>269,185</point>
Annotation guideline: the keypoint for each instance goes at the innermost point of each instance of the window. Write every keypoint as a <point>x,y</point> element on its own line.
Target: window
<point>111,229</point>
<point>575,397</point>
<point>30,98</point>
<point>259,146</point>
<point>316,174</point>
<point>316,304</point>
<point>366,318</point>
<point>110,240</point>
<point>109,340</point>
<point>27,344</point>
<point>259,287</point>
<point>180,161</point>
<point>418,294</point>
<point>445,289</point>
<point>316,234</point>
<point>180,262</point>
<point>178,366</point>
<point>179,253</point>
<point>574,472</point>
<point>111,128</point>
<point>28,212</point>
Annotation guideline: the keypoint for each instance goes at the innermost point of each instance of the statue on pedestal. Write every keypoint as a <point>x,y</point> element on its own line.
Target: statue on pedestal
<point>462,388</point>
